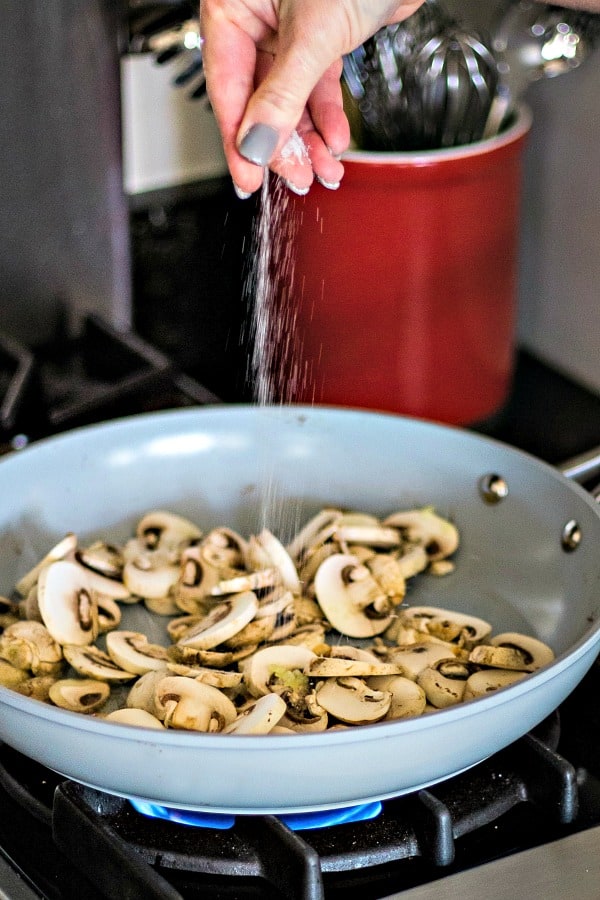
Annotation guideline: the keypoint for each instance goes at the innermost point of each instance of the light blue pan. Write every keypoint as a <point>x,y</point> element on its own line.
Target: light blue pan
<point>246,467</point>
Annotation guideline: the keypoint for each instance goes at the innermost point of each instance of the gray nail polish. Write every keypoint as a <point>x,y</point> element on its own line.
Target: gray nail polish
<point>258,144</point>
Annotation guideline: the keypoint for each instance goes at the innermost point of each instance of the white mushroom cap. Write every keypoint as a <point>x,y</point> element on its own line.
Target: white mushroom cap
<point>351,701</point>
<point>486,681</point>
<point>165,529</point>
<point>344,590</point>
<point>408,698</point>
<point>222,622</point>
<point>191,705</point>
<point>83,695</point>
<point>512,650</point>
<point>438,536</point>
<point>259,717</point>
<point>29,645</point>
<point>149,574</point>
<point>139,717</point>
<point>94,663</point>
<point>67,603</point>
<point>133,652</point>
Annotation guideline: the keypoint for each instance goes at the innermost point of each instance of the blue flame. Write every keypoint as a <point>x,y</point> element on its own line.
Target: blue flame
<point>296,821</point>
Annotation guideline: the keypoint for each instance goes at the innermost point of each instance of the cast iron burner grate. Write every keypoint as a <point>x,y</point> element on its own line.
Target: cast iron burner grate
<point>102,374</point>
<point>141,858</point>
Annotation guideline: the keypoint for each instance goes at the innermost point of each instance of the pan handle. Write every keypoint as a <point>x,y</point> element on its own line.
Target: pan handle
<point>583,468</point>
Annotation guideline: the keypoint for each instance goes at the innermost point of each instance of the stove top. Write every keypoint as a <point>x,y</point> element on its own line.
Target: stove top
<point>60,840</point>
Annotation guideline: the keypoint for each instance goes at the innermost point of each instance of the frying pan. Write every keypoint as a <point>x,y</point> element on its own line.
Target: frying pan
<point>247,466</point>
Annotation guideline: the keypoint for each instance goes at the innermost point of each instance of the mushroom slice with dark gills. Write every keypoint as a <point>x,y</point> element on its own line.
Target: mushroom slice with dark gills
<point>197,578</point>
<point>218,678</point>
<point>64,547</point>
<point>132,651</point>
<point>82,695</point>
<point>101,557</point>
<point>351,701</point>
<point>30,646</point>
<point>350,662</point>
<point>191,705</point>
<point>444,682</point>
<point>92,662</point>
<point>350,597</point>
<point>67,603</point>
<point>512,650</point>
<point>454,627</point>
<point>222,622</point>
<point>414,658</point>
<point>424,527</point>
<point>163,530</point>
<point>224,549</point>
<point>217,658</point>
<point>316,532</point>
<point>142,693</point>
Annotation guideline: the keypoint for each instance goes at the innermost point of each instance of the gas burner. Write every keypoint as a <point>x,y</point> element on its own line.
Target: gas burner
<point>413,839</point>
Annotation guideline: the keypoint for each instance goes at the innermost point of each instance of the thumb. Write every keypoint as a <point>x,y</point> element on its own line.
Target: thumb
<point>275,109</point>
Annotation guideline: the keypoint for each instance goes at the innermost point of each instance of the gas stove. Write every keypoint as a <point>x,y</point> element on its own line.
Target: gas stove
<point>59,839</point>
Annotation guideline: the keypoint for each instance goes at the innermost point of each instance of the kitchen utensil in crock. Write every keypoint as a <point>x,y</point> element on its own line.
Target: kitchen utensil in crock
<point>534,41</point>
<point>213,464</point>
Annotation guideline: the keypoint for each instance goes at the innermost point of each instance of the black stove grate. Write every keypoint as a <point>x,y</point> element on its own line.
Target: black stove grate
<point>140,858</point>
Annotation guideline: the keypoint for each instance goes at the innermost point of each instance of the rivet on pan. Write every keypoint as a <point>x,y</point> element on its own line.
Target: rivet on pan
<point>493,488</point>
<point>571,536</point>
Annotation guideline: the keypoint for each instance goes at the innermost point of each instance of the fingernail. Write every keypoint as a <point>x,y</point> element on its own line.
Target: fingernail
<point>258,144</point>
<point>243,195</point>
<point>330,185</point>
<point>295,189</point>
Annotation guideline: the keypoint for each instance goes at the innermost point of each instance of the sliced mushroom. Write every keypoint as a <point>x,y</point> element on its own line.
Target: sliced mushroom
<point>218,678</point>
<point>349,662</point>
<point>214,658</point>
<point>161,529</point>
<point>92,662</point>
<point>444,682</point>
<point>9,612</point>
<point>30,646</point>
<point>389,575</point>
<point>351,701</point>
<point>222,622</point>
<point>67,603</point>
<point>408,697</point>
<point>149,574</point>
<point>268,552</point>
<point>101,583</point>
<point>138,717</point>
<point>247,581</point>
<point>11,676</point>
<point>304,713</point>
<point>109,614</point>
<point>414,658</point>
<point>438,536</point>
<point>317,531</point>
<point>412,561</point>
<point>259,717</point>
<point>371,534</point>
<point>486,681</point>
<point>224,548</point>
<point>101,557</point>
<point>37,687</point>
<point>512,650</point>
<point>348,594</point>
<point>196,580</point>
<point>161,606</point>
<point>132,651</point>
<point>143,692</point>
<point>82,695</point>
<point>276,668</point>
<point>191,705</point>
<point>59,551</point>
<point>447,625</point>
<point>255,632</point>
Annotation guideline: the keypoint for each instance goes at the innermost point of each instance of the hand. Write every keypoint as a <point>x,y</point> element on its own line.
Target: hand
<point>273,72</point>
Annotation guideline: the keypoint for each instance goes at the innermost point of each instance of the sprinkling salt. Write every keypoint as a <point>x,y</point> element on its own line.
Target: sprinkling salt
<point>274,368</point>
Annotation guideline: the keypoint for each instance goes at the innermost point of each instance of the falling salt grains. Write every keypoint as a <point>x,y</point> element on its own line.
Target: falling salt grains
<point>274,371</point>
